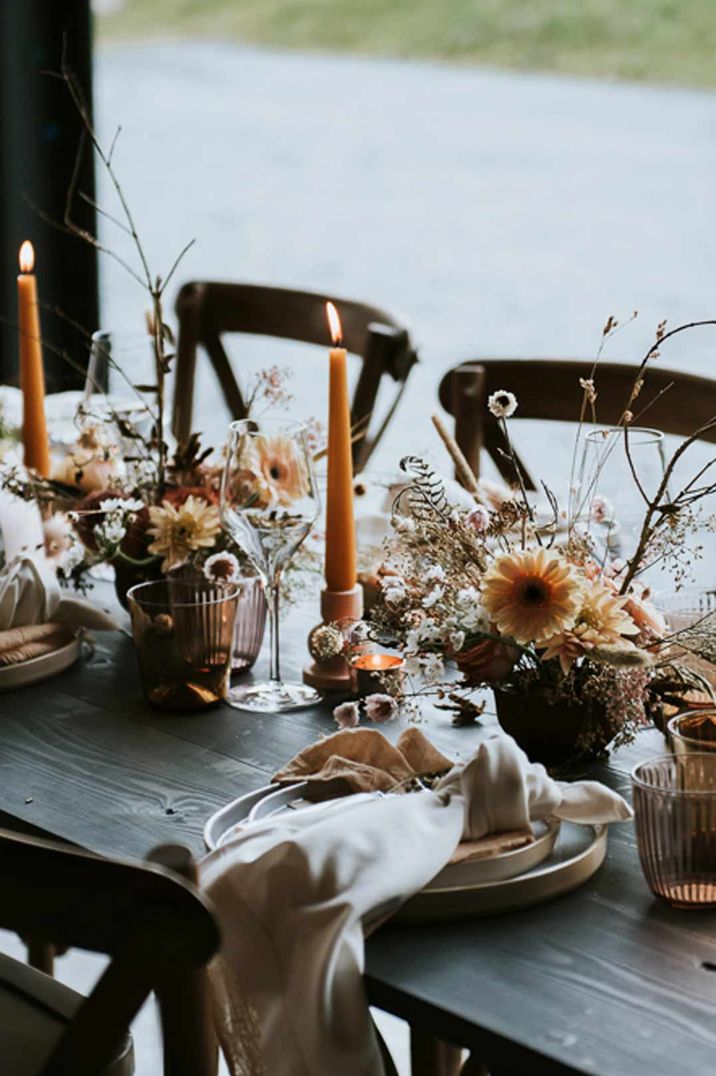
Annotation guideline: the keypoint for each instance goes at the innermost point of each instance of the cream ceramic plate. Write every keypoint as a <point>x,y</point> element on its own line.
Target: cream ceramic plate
<point>271,800</point>
<point>41,668</point>
<point>578,854</point>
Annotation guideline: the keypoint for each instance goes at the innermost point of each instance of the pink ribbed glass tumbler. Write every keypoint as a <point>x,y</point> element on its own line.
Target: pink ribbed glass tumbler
<point>675,808</point>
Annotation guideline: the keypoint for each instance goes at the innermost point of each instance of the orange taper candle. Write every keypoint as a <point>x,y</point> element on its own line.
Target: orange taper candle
<point>32,375</point>
<point>340,527</point>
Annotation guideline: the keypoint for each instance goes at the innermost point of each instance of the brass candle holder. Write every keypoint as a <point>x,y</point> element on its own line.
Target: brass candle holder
<point>329,670</point>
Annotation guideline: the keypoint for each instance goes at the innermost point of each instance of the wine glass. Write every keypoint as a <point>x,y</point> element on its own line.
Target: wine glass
<point>610,496</point>
<point>269,502</point>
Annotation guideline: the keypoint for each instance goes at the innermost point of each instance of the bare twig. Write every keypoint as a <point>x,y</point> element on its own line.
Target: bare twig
<point>655,506</point>
<point>463,469</point>
<point>103,212</point>
<point>177,260</point>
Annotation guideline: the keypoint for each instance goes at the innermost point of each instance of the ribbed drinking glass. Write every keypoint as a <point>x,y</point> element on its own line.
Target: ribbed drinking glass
<point>675,808</point>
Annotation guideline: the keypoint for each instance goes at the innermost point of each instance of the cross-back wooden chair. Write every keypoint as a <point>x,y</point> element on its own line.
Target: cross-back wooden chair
<point>208,310</point>
<point>549,389</point>
<point>155,927</point>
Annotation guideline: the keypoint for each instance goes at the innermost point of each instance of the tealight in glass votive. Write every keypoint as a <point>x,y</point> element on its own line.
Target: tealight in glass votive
<point>675,809</point>
<point>377,672</point>
<point>694,730</point>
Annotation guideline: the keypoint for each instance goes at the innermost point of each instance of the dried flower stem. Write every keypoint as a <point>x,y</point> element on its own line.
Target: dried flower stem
<point>153,285</point>
<point>463,469</point>
<point>654,505</point>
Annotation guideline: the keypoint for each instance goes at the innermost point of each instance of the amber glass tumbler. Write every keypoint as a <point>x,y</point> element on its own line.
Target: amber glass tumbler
<point>693,731</point>
<point>183,633</point>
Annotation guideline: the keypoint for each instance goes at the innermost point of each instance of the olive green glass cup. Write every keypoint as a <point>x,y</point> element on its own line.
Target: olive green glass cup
<point>183,633</point>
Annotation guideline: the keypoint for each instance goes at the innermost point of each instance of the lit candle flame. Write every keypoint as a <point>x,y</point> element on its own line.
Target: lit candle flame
<point>335,323</point>
<point>27,257</point>
<point>378,662</point>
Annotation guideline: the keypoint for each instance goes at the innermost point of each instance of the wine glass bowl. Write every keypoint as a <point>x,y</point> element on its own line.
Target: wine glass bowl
<point>619,468</point>
<point>269,503</point>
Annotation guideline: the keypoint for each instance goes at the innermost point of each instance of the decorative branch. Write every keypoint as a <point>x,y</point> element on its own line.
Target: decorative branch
<point>155,286</point>
<point>464,471</point>
<point>655,506</point>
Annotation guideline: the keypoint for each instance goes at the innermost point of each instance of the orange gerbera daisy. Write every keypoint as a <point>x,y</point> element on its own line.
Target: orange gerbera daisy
<point>531,595</point>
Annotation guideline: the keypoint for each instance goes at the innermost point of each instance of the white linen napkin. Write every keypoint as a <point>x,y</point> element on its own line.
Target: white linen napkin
<point>295,895</point>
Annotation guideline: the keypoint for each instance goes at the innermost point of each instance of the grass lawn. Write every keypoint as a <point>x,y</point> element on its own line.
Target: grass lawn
<point>650,40</point>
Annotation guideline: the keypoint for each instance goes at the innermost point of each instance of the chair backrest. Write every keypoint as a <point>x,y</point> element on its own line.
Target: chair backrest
<point>207,310</point>
<point>154,926</point>
<point>550,389</point>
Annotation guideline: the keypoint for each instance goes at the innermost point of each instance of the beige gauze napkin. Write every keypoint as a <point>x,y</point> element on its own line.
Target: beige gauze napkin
<point>362,760</point>
<point>22,644</point>
<point>296,893</point>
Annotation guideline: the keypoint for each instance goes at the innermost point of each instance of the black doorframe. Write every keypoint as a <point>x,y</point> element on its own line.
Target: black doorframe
<point>39,136</point>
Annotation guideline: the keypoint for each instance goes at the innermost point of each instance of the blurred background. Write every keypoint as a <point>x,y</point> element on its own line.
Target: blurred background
<point>501,174</point>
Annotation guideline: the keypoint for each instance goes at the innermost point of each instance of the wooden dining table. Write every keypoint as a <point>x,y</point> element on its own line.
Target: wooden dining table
<point>604,980</point>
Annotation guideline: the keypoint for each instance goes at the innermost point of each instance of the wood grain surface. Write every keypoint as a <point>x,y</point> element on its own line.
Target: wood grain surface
<point>604,981</point>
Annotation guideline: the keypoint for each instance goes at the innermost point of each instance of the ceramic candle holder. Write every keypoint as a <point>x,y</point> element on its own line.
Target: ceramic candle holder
<point>329,671</point>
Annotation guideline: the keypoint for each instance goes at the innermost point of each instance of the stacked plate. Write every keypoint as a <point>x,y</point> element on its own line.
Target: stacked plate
<point>40,668</point>
<point>561,857</point>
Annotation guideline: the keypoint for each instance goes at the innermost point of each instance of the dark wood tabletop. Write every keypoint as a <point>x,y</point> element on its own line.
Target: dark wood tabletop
<point>605,980</point>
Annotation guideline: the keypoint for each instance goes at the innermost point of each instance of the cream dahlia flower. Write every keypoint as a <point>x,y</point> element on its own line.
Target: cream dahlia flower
<point>178,531</point>
<point>602,618</point>
<point>602,624</point>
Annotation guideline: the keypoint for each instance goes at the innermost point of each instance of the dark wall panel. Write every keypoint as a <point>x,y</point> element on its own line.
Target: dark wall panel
<point>39,135</point>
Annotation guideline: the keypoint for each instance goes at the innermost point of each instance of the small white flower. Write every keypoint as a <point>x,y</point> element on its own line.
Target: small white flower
<point>71,558</point>
<point>425,633</point>
<point>380,708</point>
<point>602,510</point>
<point>346,716</point>
<point>109,532</point>
<point>468,596</point>
<point>222,568</point>
<point>433,597</point>
<point>457,640</point>
<point>394,591</point>
<point>472,616</point>
<point>478,518</point>
<point>120,504</point>
<point>432,667</point>
<point>502,404</point>
<point>412,665</point>
<point>434,574</point>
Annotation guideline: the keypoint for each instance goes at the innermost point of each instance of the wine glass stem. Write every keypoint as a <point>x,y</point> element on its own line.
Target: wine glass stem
<point>273,612</point>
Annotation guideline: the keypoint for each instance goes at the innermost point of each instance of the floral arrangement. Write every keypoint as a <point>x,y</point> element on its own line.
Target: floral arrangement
<point>105,503</point>
<point>541,609</point>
